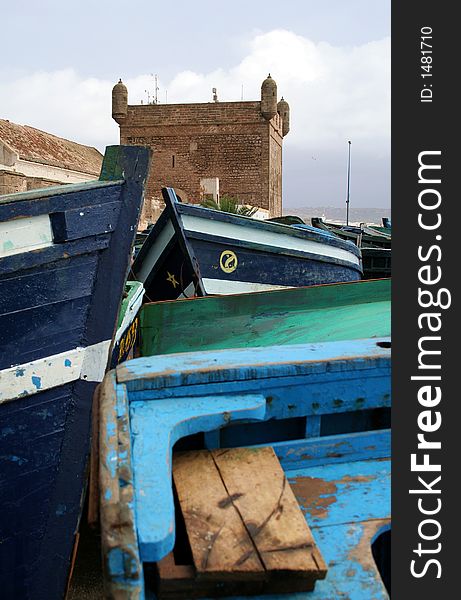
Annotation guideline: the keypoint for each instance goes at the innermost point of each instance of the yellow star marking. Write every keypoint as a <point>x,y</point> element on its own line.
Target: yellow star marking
<point>172,280</point>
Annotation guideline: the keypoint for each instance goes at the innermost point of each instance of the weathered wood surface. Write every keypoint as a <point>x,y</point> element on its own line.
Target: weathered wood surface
<point>121,562</point>
<point>246,531</point>
<point>347,506</point>
<point>171,397</point>
<point>221,545</point>
<point>259,490</point>
<point>179,582</point>
<point>156,426</point>
<point>301,315</point>
<point>242,517</point>
<point>56,329</point>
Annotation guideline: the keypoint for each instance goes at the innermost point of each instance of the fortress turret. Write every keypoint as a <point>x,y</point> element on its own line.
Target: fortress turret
<point>269,98</point>
<point>283,108</point>
<point>119,101</point>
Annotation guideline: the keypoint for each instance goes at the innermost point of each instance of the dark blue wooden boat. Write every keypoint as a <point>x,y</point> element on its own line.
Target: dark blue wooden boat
<point>196,251</point>
<point>363,235</point>
<point>374,242</point>
<point>64,257</point>
<point>337,462</point>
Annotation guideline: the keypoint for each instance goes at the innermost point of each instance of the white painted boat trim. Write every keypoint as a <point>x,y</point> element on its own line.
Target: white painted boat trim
<point>52,371</point>
<point>130,314</point>
<point>24,235</point>
<point>224,287</point>
<point>155,251</point>
<point>268,238</point>
<point>189,292</point>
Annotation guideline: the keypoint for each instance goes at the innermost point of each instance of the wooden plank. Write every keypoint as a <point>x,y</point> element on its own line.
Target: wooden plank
<point>180,582</point>
<point>121,563</point>
<point>220,544</point>
<point>158,425</point>
<point>93,484</point>
<point>259,490</point>
<point>334,449</point>
<point>85,221</point>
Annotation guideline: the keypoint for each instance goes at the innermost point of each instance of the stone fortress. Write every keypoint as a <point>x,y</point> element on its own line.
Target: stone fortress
<point>209,149</point>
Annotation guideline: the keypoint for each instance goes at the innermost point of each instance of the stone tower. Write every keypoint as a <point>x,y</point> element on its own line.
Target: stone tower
<point>237,143</point>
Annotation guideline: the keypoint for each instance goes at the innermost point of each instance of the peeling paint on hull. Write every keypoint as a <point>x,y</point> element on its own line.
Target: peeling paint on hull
<point>58,310</point>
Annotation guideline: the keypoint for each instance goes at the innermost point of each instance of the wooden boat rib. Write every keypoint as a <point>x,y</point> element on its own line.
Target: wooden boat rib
<point>197,251</point>
<point>64,257</point>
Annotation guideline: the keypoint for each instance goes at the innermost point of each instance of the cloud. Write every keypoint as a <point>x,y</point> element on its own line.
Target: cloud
<point>335,94</point>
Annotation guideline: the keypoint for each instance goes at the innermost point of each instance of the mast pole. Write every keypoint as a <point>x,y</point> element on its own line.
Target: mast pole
<point>348,183</point>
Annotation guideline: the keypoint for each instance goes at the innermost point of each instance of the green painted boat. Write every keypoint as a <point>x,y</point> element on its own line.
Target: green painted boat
<point>333,312</point>
<point>385,230</point>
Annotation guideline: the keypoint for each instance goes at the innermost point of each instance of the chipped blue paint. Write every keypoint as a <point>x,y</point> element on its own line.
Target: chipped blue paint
<point>334,449</point>
<point>155,427</point>
<point>347,577</point>
<point>17,459</point>
<point>107,494</point>
<point>116,562</point>
<point>346,496</point>
<point>111,428</point>
<point>112,461</point>
<point>67,363</point>
<point>342,481</point>
<point>63,297</point>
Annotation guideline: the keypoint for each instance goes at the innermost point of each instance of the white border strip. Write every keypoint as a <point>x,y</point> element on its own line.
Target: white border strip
<point>223,287</point>
<point>247,233</point>
<point>130,314</point>
<point>155,251</point>
<point>24,235</point>
<point>45,373</point>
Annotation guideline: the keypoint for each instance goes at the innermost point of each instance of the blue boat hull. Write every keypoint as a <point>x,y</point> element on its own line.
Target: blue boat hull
<point>193,251</point>
<point>58,309</point>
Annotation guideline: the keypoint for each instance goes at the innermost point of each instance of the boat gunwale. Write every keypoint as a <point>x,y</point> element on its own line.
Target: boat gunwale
<point>58,190</point>
<point>329,240</point>
<point>262,247</point>
<point>255,295</point>
<point>174,209</point>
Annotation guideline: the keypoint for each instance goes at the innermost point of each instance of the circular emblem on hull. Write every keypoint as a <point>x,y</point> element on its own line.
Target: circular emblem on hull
<point>228,261</point>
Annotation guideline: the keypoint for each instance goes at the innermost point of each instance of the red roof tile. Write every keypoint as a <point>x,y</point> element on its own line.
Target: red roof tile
<point>41,147</point>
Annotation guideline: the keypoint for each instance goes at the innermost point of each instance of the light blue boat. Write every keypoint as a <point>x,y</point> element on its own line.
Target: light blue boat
<point>331,401</point>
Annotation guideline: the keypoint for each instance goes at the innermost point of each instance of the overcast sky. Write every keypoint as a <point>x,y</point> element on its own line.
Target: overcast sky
<point>330,59</point>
